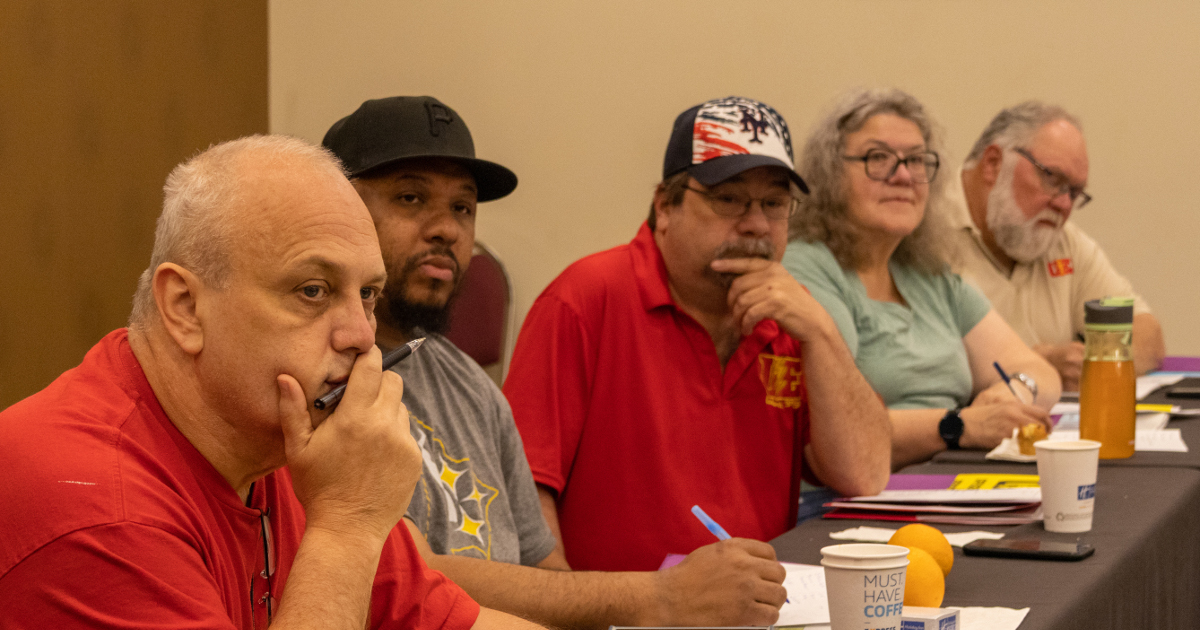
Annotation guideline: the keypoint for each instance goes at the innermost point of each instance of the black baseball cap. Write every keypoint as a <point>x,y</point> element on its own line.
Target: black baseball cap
<point>383,131</point>
<point>718,139</point>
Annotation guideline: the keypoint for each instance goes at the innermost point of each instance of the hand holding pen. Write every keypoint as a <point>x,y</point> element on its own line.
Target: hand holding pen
<point>715,528</point>
<point>1008,381</point>
<point>390,360</point>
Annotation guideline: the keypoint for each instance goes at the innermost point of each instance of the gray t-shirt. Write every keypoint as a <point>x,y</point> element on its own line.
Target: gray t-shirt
<point>476,496</point>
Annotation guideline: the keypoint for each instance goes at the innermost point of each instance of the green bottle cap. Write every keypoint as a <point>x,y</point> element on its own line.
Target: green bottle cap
<point>1110,313</point>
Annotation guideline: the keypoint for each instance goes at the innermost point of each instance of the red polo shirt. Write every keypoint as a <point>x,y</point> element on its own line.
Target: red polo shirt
<point>109,517</point>
<point>625,411</point>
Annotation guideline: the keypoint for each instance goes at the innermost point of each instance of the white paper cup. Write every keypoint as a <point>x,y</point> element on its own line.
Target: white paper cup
<point>1067,475</point>
<point>865,585</point>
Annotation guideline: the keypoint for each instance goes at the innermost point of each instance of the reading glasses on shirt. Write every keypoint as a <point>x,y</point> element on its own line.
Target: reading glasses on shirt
<point>1055,183</point>
<point>882,164</point>
<point>735,205</point>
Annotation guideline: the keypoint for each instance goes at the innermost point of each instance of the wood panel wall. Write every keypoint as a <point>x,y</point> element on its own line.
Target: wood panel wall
<point>98,101</point>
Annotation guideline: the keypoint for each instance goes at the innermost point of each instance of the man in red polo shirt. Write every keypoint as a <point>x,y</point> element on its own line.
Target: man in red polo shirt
<point>689,368</point>
<point>146,488</point>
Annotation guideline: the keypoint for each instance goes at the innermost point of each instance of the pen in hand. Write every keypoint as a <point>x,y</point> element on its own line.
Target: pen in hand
<point>712,525</point>
<point>390,360</point>
<point>716,529</point>
<point>1008,381</point>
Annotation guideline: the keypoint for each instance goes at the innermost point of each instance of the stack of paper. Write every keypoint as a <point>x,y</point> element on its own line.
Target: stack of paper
<point>949,499</point>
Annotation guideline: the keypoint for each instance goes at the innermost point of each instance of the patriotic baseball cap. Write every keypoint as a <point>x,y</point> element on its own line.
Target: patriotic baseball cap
<point>718,139</point>
<point>386,130</point>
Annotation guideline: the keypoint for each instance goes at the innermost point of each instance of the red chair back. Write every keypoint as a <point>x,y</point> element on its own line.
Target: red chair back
<point>479,315</point>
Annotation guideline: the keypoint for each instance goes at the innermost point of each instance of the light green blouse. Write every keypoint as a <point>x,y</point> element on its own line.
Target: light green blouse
<point>913,356</point>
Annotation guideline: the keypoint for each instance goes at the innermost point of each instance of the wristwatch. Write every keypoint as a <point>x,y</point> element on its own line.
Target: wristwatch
<point>951,428</point>
<point>1027,381</point>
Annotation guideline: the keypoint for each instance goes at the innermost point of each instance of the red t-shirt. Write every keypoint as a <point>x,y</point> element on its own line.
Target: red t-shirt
<point>625,411</point>
<point>110,518</point>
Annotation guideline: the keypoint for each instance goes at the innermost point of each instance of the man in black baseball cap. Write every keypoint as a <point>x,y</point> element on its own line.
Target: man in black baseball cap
<point>475,515</point>
<point>688,368</point>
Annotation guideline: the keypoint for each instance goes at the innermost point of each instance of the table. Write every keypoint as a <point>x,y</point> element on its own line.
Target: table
<point>1189,428</point>
<point>1145,572</point>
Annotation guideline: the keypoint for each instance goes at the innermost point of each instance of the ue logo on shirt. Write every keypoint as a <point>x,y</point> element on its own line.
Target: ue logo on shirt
<point>1060,267</point>
<point>783,378</point>
<point>1087,492</point>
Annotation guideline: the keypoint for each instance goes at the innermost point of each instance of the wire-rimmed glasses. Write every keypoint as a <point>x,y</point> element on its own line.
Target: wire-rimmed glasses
<point>1056,183</point>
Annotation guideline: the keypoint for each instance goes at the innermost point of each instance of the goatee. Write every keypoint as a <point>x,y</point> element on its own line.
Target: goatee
<point>406,314</point>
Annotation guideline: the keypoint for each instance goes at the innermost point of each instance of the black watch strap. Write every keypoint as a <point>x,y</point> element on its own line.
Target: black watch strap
<point>951,428</point>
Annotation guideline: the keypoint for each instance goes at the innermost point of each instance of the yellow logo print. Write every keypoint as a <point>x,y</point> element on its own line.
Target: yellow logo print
<point>783,378</point>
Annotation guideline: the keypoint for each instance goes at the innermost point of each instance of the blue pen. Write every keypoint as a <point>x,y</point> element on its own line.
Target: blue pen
<point>712,525</point>
<point>716,529</point>
<point>1007,381</point>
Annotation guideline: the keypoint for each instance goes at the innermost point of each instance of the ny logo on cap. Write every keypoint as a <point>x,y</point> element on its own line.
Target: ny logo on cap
<point>439,118</point>
<point>752,124</point>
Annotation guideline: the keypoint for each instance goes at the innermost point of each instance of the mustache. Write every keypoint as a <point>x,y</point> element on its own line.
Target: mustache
<point>1048,215</point>
<point>441,249</point>
<point>745,248</point>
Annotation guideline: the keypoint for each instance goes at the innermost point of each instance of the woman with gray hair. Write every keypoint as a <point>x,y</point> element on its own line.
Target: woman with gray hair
<point>866,244</point>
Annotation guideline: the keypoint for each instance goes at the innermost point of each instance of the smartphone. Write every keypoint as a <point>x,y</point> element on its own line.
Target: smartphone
<point>1183,391</point>
<point>1029,548</point>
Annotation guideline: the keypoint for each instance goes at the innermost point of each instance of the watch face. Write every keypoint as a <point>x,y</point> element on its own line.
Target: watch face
<point>951,428</point>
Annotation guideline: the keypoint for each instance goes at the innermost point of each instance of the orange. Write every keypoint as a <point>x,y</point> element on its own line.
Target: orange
<point>927,539</point>
<point>924,585</point>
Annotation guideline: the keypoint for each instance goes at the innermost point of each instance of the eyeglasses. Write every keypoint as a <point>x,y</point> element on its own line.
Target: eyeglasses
<point>881,164</point>
<point>1055,183</point>
<point>735,205</point>
<point>268,571</point>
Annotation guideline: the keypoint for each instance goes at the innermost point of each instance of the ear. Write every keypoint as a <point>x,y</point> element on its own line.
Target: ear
<point>989,164</point>
<point>175,292</point>
<point>662,210</point>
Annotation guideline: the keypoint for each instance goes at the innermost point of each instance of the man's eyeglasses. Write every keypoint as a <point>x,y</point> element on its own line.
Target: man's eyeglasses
<point>881,164</point>
<point>1055,183</point>
<point>735,205</point>
<point>268,572</point>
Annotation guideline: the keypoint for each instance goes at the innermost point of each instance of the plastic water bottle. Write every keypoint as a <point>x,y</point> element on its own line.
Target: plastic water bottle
<point>1108,387</point>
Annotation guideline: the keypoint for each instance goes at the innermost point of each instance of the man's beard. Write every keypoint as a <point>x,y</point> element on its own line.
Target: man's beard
<point>741,248</point>
<point>1022,239</point>
<point>405,314</point>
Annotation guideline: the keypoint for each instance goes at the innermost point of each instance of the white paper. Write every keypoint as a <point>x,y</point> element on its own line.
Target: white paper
<point>807,602</point>
<point>951,497</point>
<point>1146,420</point>
<point>980,618</point>
<point>883,534</point>
<point>1061,408</point>
<point>1151,382</point>
<point>864,534</point>
<point>1162,440</point>
<point>1152,421</point>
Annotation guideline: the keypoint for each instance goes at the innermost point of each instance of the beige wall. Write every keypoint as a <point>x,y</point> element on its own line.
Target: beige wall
<point>578,99</point>
<point>98,101</point>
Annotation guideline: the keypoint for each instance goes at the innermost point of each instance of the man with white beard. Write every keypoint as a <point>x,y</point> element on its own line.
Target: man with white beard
<point>1020,183</point>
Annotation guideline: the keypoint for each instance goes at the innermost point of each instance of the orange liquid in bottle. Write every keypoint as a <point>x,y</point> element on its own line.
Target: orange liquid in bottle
<point>1107,412</point>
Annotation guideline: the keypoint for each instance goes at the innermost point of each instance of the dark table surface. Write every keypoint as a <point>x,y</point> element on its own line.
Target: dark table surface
<point>1189,428</point>
<point>1145,572</point>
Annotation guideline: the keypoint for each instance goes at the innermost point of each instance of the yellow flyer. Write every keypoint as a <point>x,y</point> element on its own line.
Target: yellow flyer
<point>984,481</point>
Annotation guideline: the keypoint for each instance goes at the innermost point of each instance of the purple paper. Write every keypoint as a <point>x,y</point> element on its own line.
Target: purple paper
<point>919,482</point>
<point>1180,364</point>
<point>671,560</point>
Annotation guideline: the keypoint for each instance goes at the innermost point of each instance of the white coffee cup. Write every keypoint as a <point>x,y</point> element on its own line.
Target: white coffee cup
<point>865,585</point>
<point>1067,475</point>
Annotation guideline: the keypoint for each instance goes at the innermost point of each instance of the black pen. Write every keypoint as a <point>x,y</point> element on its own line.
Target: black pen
<point>390,360</point>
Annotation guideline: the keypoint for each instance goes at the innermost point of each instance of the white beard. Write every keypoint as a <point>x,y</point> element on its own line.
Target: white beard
<point>1022,239</point>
